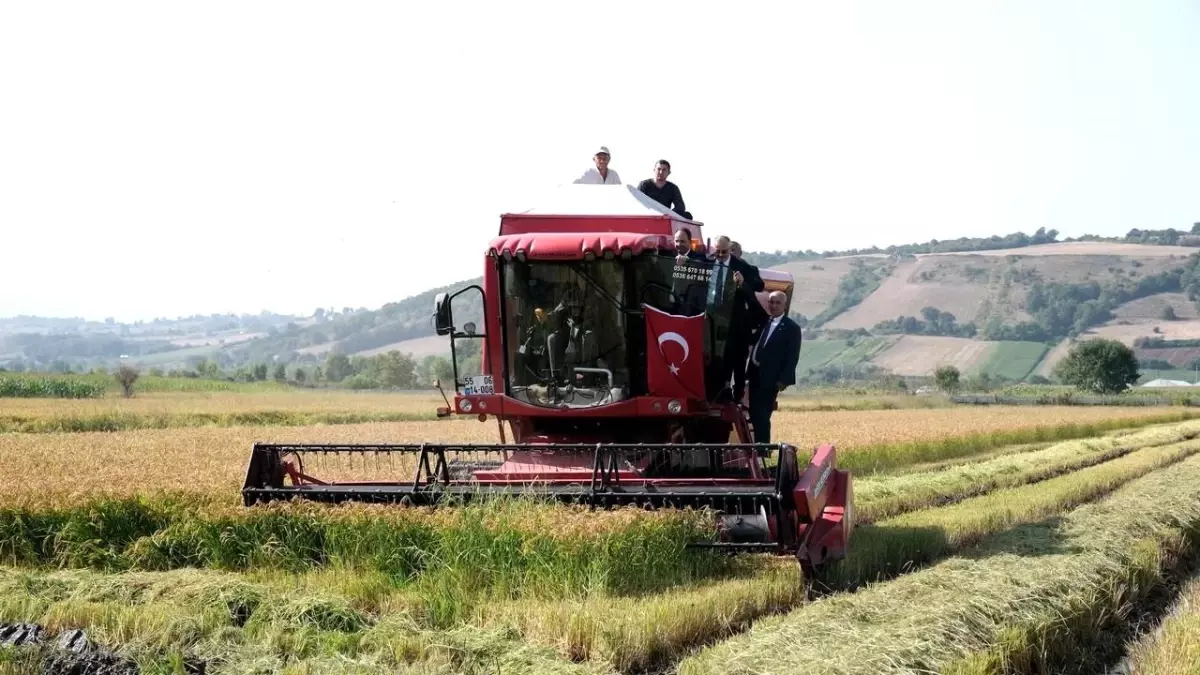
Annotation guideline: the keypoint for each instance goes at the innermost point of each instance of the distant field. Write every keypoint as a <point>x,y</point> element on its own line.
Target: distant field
<point>1150,308</point>
<point>816,283</point>
<point>920,355</point>
<point>1127,333</point>
<point>1012,360</point>
<point>1180,357</point>
<point>862,350</point>
<point>817,353</point>
<point>1058,353</point>
<point>953,288</point>
<point>966,284</point>
<point>1086,248</point>
<point>437,345</point>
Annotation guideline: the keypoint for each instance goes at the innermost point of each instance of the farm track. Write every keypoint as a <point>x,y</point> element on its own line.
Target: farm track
<point>972,505</point>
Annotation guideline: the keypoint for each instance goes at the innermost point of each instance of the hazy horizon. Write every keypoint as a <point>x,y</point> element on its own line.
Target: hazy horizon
<point>159,160</point>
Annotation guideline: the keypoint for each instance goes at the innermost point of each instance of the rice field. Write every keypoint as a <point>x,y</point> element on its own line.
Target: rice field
<point>988,540</point>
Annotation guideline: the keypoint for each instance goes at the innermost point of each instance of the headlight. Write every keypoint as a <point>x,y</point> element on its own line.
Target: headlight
<point>465,405</point>
<point>674,406</point>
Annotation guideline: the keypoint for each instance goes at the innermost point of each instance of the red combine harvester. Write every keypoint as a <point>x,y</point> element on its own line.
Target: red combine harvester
<point>598,350</point>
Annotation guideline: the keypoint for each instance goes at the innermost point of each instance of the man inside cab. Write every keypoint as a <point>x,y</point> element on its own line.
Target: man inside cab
<point>599,174</point>
<point>664,191</point>
<point>683,247</point>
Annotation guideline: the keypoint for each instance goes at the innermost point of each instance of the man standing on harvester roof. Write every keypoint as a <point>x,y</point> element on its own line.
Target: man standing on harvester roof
<point>599,174</point>
<point>664,191</point>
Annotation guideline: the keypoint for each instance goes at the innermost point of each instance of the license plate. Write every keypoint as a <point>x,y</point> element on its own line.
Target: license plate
<point>478,385</point>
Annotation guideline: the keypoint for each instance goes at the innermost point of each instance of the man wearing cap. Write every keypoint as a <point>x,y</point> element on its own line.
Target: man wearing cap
<point>600,174</point>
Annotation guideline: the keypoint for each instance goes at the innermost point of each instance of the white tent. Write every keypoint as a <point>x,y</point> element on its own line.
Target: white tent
<point>1168,383</point>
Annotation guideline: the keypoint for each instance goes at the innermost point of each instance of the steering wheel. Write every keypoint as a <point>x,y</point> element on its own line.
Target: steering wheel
<point>654,284</point>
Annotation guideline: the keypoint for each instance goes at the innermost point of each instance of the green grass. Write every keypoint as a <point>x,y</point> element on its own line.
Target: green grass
<point>889,496</point>
<point>20,386</point>
<point>816,353</point>
<point>861,350</point>
<point>1038,597</point>
<point>1012,360</point>
<point>153,384</point>
<point>893,457</point>
<point>94,385</point>
<point>119,421</point>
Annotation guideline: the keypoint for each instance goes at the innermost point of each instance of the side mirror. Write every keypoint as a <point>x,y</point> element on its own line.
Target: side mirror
<point>443,321</point>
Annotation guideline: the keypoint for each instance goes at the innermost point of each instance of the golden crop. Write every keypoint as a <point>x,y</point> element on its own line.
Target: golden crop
<point>51,467</point>
<point>226,402</point>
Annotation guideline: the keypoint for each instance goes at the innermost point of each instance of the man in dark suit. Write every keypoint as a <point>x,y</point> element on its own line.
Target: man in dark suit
<point>748,315</point>
<point>683,247</point>
<point>772,365</point>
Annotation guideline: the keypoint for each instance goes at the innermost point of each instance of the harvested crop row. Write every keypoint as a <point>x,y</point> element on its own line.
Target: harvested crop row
<point>651,632</point>
<point>232,625</point>
<point>898,544</point>
<point>455,556</point>
<point>646,633</point>
<point>1174,648</point>
<point>888,457</point>
<point>887,496</point>
<point>1002,600</point>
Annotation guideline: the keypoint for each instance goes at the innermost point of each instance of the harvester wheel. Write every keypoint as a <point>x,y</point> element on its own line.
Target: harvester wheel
<point>789,475</point>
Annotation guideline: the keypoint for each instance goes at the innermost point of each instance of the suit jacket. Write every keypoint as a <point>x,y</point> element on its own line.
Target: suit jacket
<point>777,358</point>
<point>748,312</point>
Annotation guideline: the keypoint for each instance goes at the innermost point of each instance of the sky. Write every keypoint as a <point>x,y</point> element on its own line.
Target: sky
<point>165,159</point>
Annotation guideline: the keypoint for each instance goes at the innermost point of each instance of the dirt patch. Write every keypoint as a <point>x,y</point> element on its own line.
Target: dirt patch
<point>418,347</point>
<point>816,283</point>
<point>1128,332</point>
<point>958,286</point>
<point>1151,308</point>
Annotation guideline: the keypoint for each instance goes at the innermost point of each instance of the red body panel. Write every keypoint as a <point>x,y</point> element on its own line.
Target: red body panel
<point>574,246</point>
<point>818,521</point>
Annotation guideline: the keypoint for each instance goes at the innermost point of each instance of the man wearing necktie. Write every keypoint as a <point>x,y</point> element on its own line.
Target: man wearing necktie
<point>747,314</point>
<point>772,365</point>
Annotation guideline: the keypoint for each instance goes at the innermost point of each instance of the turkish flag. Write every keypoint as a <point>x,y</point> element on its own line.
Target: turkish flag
<point>674,354</point>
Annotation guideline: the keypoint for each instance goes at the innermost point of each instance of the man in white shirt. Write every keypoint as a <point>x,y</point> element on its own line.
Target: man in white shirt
<point>600,174</point>
<point>772,364</point>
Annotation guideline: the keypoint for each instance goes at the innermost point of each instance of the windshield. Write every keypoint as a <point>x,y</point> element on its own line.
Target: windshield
<point>575,330</point>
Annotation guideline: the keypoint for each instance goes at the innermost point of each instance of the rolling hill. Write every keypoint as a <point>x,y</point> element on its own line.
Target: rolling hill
<point>1002,307</point>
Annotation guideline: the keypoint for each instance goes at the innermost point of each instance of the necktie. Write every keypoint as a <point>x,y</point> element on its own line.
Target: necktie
<point>762,340</point>
<point>715,291</point>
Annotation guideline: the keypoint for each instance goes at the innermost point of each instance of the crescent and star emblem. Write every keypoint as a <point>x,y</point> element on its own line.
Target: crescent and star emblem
<point>672,336</point>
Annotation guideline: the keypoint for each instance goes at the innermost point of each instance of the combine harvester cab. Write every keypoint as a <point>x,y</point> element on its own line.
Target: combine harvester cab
<point>597,351</point>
